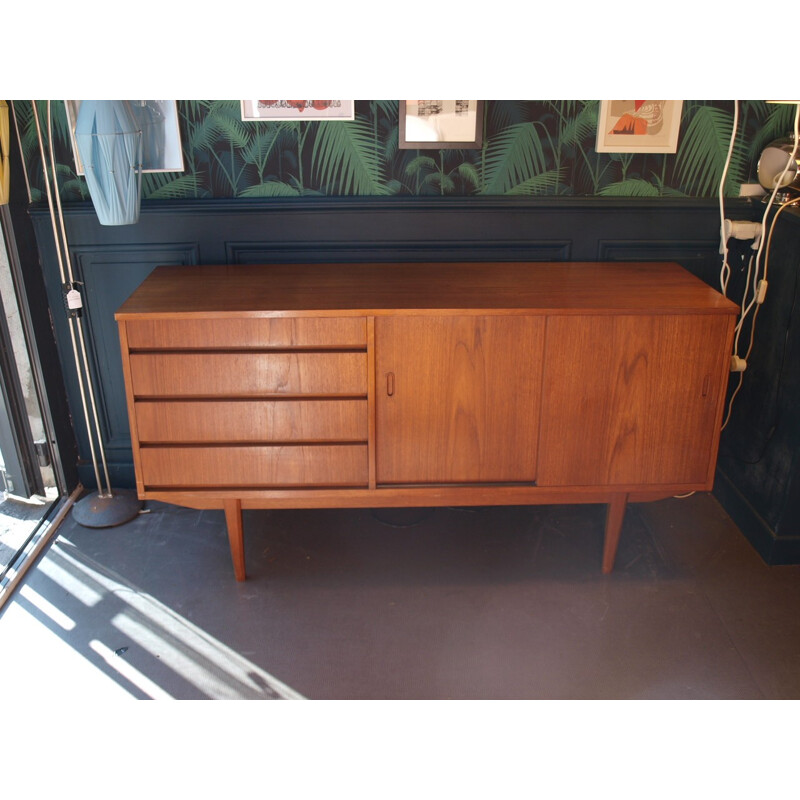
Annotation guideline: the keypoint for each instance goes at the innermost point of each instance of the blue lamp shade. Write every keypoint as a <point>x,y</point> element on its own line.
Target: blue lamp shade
<point>109,140</point>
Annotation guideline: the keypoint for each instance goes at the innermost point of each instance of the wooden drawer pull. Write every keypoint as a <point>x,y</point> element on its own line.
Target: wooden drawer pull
<point>390,383</point>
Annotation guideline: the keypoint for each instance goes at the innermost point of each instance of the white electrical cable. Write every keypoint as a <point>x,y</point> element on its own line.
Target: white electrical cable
<point>756,276</point>
<point>764,243</point>
<point>743,304</point>
<point>785,205</point>
<point>725,270</point>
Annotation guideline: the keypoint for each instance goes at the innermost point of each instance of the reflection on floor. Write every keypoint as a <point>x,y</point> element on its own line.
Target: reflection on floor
<point>431,603</point>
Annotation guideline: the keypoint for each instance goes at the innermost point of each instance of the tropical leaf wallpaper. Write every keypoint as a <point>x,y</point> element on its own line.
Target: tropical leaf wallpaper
<point>530,147</point>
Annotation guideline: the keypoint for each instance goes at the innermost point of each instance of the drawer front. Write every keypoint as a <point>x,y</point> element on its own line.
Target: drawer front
<point>254,466</point>
<point>252,421</point>
<point>165,334</point>
<point>248,374</point>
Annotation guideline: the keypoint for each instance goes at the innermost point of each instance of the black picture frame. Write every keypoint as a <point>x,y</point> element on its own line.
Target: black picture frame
<point>445,112</point>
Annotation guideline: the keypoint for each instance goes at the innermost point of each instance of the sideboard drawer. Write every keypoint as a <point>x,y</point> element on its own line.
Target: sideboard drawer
<point>255,466</point>
<point>260,332</point>
<point>252,421</point>
<point>248,374</point>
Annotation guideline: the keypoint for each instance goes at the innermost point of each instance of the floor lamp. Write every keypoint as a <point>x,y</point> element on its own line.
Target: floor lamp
<point>106,507</point>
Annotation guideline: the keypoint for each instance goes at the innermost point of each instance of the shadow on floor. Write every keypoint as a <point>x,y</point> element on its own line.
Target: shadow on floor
<point>489,603</point>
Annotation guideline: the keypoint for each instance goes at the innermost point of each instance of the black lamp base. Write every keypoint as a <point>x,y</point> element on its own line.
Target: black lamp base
<point>107,510</point>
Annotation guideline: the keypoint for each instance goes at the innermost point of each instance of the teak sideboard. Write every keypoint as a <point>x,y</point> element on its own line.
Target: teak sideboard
<point>408,384</point>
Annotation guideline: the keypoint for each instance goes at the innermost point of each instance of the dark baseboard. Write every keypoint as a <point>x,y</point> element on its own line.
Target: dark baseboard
<point>773,549</point>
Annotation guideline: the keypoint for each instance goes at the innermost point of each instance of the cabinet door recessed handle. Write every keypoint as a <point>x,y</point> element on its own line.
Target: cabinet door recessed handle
<point>390,383</point>
<point>706,385</point>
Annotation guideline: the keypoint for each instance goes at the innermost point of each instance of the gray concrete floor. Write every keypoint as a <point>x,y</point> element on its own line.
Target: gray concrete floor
<point>487,603</point>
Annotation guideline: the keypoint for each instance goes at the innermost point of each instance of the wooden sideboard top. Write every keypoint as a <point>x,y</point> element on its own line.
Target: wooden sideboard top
<point>528,287</point>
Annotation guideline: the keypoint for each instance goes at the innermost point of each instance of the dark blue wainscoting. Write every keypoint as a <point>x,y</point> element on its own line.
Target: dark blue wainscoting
<point>112,261</point>
<point>758,474</point>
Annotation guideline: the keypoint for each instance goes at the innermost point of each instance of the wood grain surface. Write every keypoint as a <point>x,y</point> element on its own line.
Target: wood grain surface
<point>261,333</point>
<point>252,421</point>
<point>237,374</point>
<point>338,385</point>
<point>457,398</point>
<point>252,466</point>
<point>631,399</point>
<point>285,289</point>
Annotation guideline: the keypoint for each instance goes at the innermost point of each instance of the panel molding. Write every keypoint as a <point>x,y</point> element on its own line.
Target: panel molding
<point>298,252</point>
<point>657,250</point>
<point>109,275</point>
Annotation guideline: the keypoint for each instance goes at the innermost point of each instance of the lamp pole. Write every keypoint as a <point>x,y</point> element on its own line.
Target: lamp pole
<point>106,507</point>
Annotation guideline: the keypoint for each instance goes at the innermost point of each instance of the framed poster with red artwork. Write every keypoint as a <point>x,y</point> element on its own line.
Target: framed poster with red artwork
<point>297,110</point>
<point>638,126</point>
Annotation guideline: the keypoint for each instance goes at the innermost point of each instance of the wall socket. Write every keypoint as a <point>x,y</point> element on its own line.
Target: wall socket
<point>751,190</point>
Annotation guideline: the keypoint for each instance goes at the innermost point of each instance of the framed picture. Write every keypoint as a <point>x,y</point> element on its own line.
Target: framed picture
<point>638,126</point>
<point>161,144</point>
<point>439,124</point>
<point>297,110</point>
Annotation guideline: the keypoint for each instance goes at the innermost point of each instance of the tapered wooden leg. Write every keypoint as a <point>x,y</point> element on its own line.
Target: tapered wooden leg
<point>233,518</point>
<point>615,513</point>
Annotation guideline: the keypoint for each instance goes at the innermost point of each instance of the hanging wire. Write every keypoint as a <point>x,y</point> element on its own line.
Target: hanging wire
<point>738,388</point>
<point>754,304</point>
<point>778,185</point>
<point>726,270</point>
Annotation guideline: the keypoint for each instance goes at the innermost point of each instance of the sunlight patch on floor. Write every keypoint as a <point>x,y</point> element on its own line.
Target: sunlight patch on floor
<point>147,648</point>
